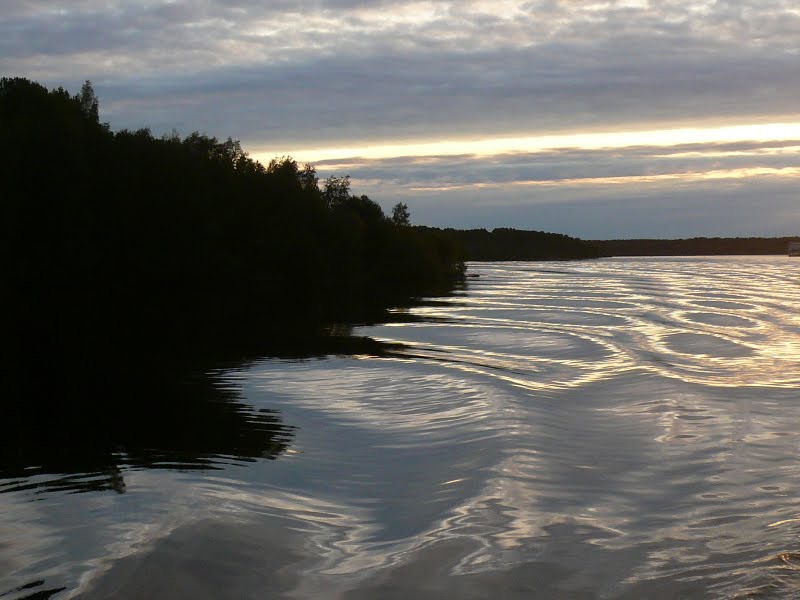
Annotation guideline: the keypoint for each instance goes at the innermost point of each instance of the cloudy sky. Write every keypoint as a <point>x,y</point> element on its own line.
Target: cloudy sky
<point>614,119</point>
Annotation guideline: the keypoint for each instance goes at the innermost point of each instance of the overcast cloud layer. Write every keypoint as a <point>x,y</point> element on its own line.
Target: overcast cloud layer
<point>283,76</point>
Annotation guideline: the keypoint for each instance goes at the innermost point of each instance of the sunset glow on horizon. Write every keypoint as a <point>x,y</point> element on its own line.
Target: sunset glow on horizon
<point>531,144</point>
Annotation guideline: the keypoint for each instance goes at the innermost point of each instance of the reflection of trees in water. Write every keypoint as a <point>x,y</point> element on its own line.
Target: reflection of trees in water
<point>39,594</point>
<point>94,423</point>
<point>78,424</point>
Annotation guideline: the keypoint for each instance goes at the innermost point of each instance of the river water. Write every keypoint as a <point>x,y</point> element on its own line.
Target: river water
<point>621,428</point>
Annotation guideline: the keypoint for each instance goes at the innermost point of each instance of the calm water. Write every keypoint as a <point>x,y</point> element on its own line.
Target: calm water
<point>623,428</point>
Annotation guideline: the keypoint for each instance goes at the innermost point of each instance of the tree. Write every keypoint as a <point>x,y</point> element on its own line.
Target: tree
<point>90,105</point>
<point>400,214</point>
<point>337,191</point>
<point>285,165</point>
<point>308,178</point>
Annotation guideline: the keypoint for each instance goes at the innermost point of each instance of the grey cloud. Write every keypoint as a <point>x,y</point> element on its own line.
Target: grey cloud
<point>574,203</point>
<point>403,97</point>
<point>565,164</point>
<point>134,29</point>
<point>755,208</point>
<point>462,73</point>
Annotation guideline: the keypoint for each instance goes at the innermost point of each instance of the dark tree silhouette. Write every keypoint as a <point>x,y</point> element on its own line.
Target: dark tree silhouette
<point>516,244</point>
<point>694,246</point>
<point>308,178</point>
<point>90,105</point>
<point>112,240</point>
<point>336,191</point>
<point>400,214</point>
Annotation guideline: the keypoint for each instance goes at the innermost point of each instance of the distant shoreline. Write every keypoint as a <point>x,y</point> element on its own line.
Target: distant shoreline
<point>505,244</point>
<point>702,246</point>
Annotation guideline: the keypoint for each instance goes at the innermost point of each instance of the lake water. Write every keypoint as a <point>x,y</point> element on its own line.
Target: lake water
<point>620,428</point>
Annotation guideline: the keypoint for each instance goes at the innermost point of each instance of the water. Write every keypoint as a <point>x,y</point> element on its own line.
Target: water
<point>622,428</point>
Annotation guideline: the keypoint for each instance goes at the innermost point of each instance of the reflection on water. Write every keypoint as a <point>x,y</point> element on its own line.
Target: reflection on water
<point>83,442</point>
<point>622,428</point>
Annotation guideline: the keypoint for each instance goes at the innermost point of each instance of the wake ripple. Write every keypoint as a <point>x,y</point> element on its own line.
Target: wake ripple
<point>719,322</point>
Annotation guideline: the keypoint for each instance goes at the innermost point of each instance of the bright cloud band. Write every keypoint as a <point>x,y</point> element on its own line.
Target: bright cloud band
<point>760,132</point>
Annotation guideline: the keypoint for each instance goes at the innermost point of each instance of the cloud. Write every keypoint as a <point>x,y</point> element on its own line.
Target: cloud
<point>635,162</point>
<point>346,70</point>
<point>753,207</point>
<point>686,190</point>
<point>316,73</point>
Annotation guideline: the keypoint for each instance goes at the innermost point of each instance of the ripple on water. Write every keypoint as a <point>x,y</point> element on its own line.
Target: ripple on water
<point>516,341</point>
<point>389,397</point>
<point>724,304</point>
<point>716,319</point>
<point>705,344</point>
<point>538,343</point>
<point>522,315</point>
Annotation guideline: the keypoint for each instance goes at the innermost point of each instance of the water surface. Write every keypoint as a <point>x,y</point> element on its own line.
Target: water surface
<point>621,428</point>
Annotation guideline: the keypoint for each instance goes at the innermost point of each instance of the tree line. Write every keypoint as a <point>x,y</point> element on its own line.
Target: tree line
<point>516,244</point>
<point>700,246</point>
<point>121,237</point>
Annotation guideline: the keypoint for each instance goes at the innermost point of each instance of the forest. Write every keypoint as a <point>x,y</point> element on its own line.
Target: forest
<point>700,246</point>
<point>516,244</point>
<point>120,239</point>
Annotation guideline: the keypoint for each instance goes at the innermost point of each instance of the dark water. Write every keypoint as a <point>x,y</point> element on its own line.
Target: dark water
<point>624,428</point>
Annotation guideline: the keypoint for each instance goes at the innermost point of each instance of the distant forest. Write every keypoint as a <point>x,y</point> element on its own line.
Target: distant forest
<point>515,244</point>
<point>116,239</point>
<point>694,246</point>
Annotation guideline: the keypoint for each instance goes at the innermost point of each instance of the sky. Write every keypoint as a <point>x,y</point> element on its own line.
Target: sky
<point>615,119</point>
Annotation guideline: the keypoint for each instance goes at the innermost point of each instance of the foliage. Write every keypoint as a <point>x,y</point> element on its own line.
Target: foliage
<point>400,214</point>
<point>336,191</point>
<point>90,105</point>
<point>121,237</point>
<point>515,244</point>
<point>694,246</point>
